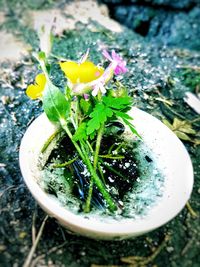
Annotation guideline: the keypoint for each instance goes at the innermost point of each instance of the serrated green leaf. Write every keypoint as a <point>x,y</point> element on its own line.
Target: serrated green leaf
<point>92,135</point>
<point>54,103</point>
<point>117,103</point>
<point>131,126</point>
<point>80,133</point>
<point>85,106</point>
<point>123,115</point>
<point>99,116</point>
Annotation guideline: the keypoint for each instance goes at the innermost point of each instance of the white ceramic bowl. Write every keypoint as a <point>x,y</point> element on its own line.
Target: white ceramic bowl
<point>169,149</point>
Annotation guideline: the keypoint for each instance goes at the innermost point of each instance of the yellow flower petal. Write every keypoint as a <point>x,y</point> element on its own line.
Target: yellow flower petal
<point>71,70</point>
<point>35,91</point>
<point>40,80</point>
<point>89,72</point>
<point>81,73</point>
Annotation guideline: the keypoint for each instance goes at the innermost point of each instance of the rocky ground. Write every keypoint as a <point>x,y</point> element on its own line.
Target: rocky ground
<point>164,63</point>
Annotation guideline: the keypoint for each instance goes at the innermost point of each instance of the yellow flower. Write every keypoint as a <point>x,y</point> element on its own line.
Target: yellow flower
<point>81,72</point>
<point>35,90</point>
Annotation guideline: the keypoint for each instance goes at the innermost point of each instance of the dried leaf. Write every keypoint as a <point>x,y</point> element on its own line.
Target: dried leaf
<point>168,124</point>
<point>182,136</point>
<point>181,128</point>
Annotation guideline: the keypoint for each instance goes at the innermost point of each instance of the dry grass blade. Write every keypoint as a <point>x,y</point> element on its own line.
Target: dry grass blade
<point>136,261</point>
<point>53,249</point>
<point>34,246</point>
<point>191,211</point>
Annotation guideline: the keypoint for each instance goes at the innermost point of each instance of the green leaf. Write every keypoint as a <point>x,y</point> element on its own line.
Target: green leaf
<point>123,115</point>
<point>80,133</point>
<point>85,106</point>
<point>117,103</point>
<point>92,135</point>
<point>54,103</point>
<point>41,55</point>
<point>99,115</point>
<point>131,127</point>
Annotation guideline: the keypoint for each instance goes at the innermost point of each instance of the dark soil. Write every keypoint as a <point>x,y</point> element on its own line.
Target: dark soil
<point>119,175</point>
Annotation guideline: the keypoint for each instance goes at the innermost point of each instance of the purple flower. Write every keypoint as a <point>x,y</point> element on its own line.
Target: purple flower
<point>118,62</point>
<point>86,96</point>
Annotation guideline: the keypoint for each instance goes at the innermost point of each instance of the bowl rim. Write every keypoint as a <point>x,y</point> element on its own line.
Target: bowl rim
<point>92,227</point>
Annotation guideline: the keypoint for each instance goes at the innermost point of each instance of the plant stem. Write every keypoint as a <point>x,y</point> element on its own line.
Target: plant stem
<point>97,181</point>
<point>84,155</point>
<point>111,148</point>
<point>89,197</point>
<point>101,172</point>
<point>49,140</point>
<point>96,155</point>
<point>65,163</point>
<point>77,112</point>
<point>98,165</point>
<point>98,144</point>
<point>112,169</point>
<point>111,157</point>
<point>65,127</point>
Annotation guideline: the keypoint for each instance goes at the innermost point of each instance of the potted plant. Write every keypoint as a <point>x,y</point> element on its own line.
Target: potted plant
<point>89,166</point>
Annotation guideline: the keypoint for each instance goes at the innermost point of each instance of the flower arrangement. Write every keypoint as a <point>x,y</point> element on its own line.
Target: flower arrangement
<point>86,110</point>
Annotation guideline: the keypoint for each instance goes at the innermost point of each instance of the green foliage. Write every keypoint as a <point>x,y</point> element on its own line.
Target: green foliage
<point>54,103</point>
<point>80,133</point>
<point>131,127</point>
<point>85,106</point>
<point>99,115</point>
<point>41,55</point>
<point>110,107</point>
<point>117,103</point>
<point>119,107</point>
<point>123,115</point>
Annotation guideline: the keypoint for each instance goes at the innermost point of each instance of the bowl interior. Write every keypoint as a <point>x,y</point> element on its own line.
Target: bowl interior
<point>171,155</point>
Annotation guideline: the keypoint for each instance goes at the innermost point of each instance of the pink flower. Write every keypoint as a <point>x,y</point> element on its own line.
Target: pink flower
<point>119,63</point>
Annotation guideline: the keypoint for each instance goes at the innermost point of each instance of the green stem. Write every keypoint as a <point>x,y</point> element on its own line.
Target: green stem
<point>96,154</point>
<point>89,197</point>
<point>77,112</point>
<point>119,146</point>
<point>49,140</point>
<point>111,157</point>
<point>84,155</point>
<point>98,165</point>
<point>97,181</point>
<point>112,169</point>
<point>111,148</point>
<point>101,173</point>
<point>65,127</point>
<point>98,144</point>
<point>65,163</point>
